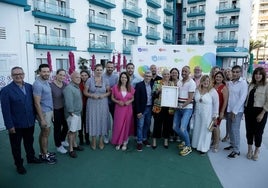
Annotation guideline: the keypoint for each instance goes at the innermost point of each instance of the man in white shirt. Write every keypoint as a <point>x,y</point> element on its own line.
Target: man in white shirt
<point>184,111</point>
<point>237,95</point>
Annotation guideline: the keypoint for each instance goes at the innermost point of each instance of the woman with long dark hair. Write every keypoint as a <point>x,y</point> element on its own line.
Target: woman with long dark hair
<point>122,96</point>
<point>256,108</point>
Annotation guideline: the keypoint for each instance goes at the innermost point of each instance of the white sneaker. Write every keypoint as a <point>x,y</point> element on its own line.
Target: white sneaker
<point>65,144</point>
<point>61,149</point>
<point>106,139</point>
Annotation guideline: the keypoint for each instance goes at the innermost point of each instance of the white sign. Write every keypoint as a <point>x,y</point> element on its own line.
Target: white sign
<point>170,56</point>
<point>169,96</point>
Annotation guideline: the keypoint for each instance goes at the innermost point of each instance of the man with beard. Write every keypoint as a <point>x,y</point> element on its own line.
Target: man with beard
<point>133,78</point>
<point>44,107</point>
<point>155,77</point>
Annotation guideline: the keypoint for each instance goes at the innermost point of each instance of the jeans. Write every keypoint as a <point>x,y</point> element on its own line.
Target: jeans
<point>235,130</point>
<point>143,124</point>
<point>180,123</point>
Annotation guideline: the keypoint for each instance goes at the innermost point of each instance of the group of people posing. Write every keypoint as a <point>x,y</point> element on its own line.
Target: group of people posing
<point>106,107</point>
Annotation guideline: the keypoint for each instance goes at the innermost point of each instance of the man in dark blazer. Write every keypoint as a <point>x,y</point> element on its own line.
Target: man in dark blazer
<point>143,103</point>
<point>19,117</point>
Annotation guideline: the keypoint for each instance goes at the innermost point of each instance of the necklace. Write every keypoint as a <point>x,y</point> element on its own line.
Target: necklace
<point>202,93</point>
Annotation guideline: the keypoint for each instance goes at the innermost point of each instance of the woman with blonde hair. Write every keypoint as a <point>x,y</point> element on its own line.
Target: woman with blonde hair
<point>161,114</point>
<point>206,110</point>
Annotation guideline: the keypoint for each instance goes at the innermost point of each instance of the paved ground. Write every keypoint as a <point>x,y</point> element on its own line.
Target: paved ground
<point>241,172</point>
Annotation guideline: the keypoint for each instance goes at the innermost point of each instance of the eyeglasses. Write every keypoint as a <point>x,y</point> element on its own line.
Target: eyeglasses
<point>19,74</point>
<point>98,86</point>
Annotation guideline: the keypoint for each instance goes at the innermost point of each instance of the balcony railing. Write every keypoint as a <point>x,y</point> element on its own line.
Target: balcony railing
<point>228,9</point>
<point>194,27</point>
<point>226,39</point>
<point>168,24</point>
<point>131,10</point>
<point>100,46</point>
<point>153,35</point>
<point>168,10</point>
<point>167,39</point>
<point>53,9</point>
<point>195,1</point>
<point>195,40</point>
<point>130,29</point>
<point>196,13</point>
<point>42,41</point>
<point>153,18</point>
<point>101,23</point>
<point>109,4</point>
<point>126,49</point>
<point>226,24</point>
<point>154,3</point>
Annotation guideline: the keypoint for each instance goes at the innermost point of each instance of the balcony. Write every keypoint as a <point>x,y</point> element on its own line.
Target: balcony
<point>131,30</point>
<point>195,1</point>
<point>154,3</point>
<point>53,12</point>
<point>153,35</point>
<point>168,24</point>
<point>195,41</point>
<point>168,10</point>
<point>194,27</point>
<point>225,40</point>
<point>168,39</point>
<point>196,13</point>
<point>225,24</point>
<point>100,47</point>
<point>49,42</point>
<point>228,9</point>
<point>132,11</point>
<point>108,4</point>
<point>126,49</point>
<point>101,23</point>
<point>153,18</point>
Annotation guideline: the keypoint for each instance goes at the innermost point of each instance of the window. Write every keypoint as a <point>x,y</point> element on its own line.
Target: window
<point>222,20</point>
<point>201,22</point>
<point>232,35</point>
<point>40,61</point>
<point>41,29</point>
<point>221,35</point>
<point>193,9</point>
<point>62,64</point>
<point>191,37</point>
<point>60,32</point>
<point>192,23</point>
<point>201,8</point>
<point>91,15</point>
<point>223,5</point>
<point>103,15</point>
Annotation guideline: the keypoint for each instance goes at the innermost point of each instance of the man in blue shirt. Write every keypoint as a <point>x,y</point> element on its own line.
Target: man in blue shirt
<point>44,107</point>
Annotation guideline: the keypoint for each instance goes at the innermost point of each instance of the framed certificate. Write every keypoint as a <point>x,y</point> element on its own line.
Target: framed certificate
<point>169,96</point>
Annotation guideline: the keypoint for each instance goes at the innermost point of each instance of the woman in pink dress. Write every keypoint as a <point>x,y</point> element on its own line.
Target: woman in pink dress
<point>122,96</point>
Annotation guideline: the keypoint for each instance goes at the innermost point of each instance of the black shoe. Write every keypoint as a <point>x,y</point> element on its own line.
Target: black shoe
<point>34,161</point>
<point>233,154</point>
<point>228,148</point>
<point>165,146</point>
<point>72,154</point>
<point>87,142</point>
<point>48,159</point>
<point>202,153</point>
<point>21,170</point>
<point>78,148</point>
<point>154,147</point>
<point>81,143</point>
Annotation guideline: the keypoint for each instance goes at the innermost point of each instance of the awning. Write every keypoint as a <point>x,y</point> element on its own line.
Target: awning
<point>233,54</point>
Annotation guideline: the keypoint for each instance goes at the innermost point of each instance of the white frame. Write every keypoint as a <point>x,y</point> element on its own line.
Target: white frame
<point>169,96</point>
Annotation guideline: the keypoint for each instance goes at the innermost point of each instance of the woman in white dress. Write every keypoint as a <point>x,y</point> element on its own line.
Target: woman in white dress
<point>206,110</point>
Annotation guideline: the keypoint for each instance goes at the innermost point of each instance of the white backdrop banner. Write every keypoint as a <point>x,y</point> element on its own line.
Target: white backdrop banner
<point>170,56</point>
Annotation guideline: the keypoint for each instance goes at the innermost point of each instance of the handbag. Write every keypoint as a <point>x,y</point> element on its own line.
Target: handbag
<point>211,126</point>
